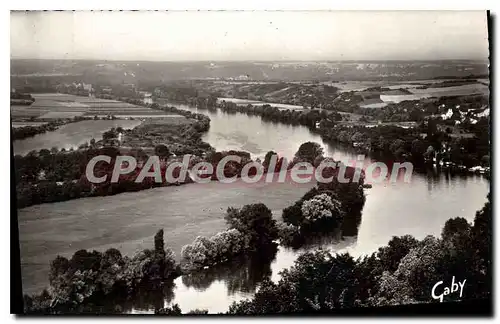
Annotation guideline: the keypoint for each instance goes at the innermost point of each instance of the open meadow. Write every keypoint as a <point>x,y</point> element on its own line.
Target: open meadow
<point>57,105</point>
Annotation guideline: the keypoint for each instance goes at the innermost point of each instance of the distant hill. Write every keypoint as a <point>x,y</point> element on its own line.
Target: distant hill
<point>155,72</point>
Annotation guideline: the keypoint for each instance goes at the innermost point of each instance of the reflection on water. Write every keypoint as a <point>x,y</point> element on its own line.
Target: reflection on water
<point>215,289</point>
<point>237,131</point>
<point>152,300</point>
<point>241,275</point>
<point>128,221</point>
<point>147,300</point>
<point>71,135</point>
<point>350,225</point>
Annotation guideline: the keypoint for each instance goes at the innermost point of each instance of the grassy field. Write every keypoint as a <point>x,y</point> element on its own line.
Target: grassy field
<point>56,105</point>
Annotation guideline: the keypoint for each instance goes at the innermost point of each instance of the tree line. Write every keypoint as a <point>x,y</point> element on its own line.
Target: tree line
<point>401,272</point>
<point>392,141</point>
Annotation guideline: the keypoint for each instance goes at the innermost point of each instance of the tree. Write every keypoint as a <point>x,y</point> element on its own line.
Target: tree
<point>429,153</point>
<point>455,226</point>
<point>219,248</point>
<point>267,159</point>
<point>485,160</point>
<point>321,206</point>
<point>418,268</point>
<point>58,267</point>
<point>417,148</point>
<point>159,243</point>
<point>482,231</point>
<point>198,312</point>
<point>357,137</point>
<point>44,153</point>
<point>391,254</point>
<point>309,151</point>
<point>343,136</point>
<point>256,221</point>
<point>111,134</point>
<point>293,214</point>
<point>431,127</point>
<point>162,151</point>
<point>402,272</point>
<point>317,282</point>
<point>397,146</point>
<point>174,310</point>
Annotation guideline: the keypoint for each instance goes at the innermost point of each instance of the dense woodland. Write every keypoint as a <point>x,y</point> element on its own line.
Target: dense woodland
<point>402,272</point>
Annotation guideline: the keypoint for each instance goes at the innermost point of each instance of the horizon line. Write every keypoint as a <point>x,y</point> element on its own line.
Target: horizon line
<point>251,60</point>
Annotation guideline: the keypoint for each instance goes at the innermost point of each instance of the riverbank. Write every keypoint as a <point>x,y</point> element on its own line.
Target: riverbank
<point>24,132</point>
<point>127,222</point>
<point>57,175</point>
<point>368,276</point>
<point>418,208</point>
<point>422,144</point>
<point>406,271</point>
<point>382,131</point>
<point>251,231</point>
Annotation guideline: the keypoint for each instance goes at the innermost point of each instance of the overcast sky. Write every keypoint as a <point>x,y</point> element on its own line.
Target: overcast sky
<point>174,36</point>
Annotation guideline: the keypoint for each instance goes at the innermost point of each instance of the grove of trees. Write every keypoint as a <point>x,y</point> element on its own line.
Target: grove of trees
<point>402,272</point>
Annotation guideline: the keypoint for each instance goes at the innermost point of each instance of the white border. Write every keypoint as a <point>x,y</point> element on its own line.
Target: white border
<point>252,5</point>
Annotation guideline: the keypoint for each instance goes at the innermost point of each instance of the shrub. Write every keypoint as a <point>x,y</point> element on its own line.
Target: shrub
<point>174,310</point>
<point>198,312</point>
<point>209,251</point>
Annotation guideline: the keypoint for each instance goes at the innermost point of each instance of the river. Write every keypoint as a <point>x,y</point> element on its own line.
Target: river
<point>128,221</point>
<point>71,135</point>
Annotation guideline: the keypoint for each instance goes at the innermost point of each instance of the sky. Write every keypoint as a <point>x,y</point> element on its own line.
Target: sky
<point>260,35</point>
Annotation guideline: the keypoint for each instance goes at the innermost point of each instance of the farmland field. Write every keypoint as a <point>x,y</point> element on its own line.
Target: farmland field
<point>374,105</point>
<point>375,94</point>
<point>346,86</point>
<point>57,105</point>
<point>463,90</point>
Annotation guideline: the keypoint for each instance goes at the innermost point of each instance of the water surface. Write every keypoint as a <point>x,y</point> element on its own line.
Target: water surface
<point>129,221</point>
<point>71,135</point>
